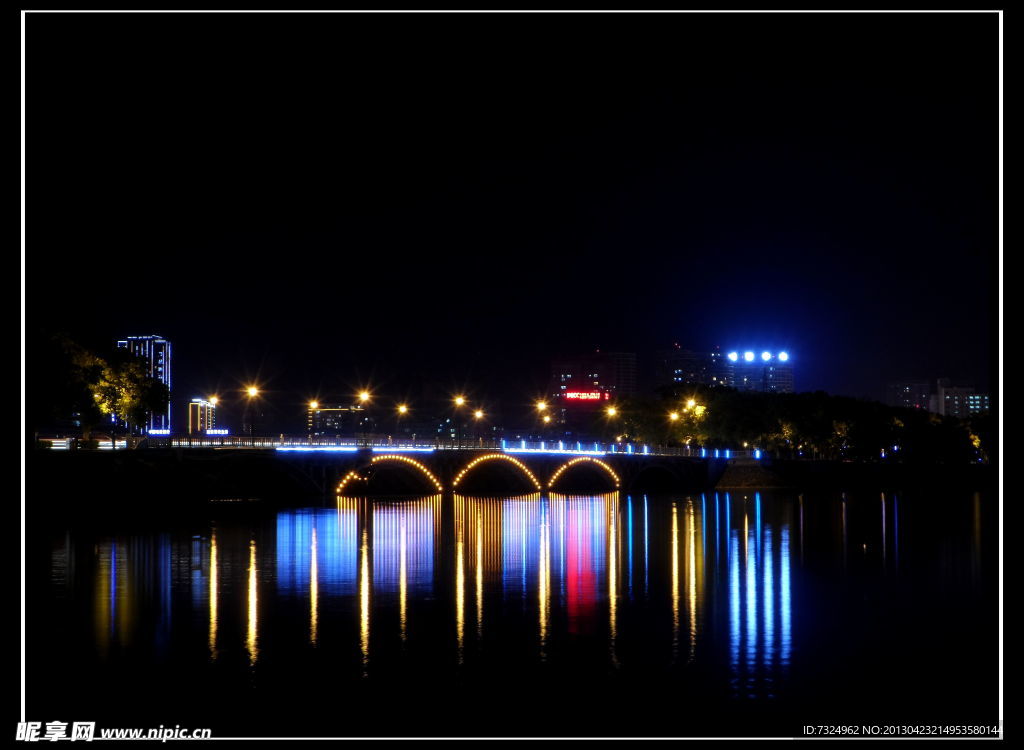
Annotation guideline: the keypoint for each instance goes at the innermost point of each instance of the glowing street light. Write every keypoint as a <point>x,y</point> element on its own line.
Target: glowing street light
<point>213,400</point>
<point>541,406</point>
<point>691,403</point>
<point>612,411</point>
<point>364,396</point>
<point>314,404</point>
<point>252,392</point>
<point>547,419</point>
<point>673,415</point>
<point>403,409</point>
<point>478,414</point>
<point>459,400</point>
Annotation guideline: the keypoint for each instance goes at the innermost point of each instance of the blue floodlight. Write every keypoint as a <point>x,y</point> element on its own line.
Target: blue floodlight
<point>783,356</point>
<point>749,356</point>
<point>733,356</point>
<point>766,356</point>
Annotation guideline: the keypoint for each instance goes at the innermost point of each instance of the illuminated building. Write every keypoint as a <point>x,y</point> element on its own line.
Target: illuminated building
<point>760,370</point>
<point>335,419</point>
<point>958,401</point>
<point>583,384</point>
<point>613,373</point>
<point>156,351</point>
<point>744,370</point>
<point>202,416</point>
<point>908,395</point>
<point>679,366</point>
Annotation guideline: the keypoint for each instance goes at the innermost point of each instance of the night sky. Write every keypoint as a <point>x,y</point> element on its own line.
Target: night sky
<point>327,201</point>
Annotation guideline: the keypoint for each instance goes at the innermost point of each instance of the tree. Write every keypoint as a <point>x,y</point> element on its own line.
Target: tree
<point>77,383</point>
<point>124,389</point>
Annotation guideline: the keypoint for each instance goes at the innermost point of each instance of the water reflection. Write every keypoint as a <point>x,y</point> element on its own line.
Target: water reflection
<point>687,585</point>
<point>760,604</point>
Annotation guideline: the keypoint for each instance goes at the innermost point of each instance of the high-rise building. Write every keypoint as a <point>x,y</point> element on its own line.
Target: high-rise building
<point>333,419</point>
<point>202,415</point>
<point>583,383</point>
<point>613,373</point>
<point>679,366</point>
<point>908,394</point>
<point>765,371</point>
<point>960,401</point>
<point>156,351</point>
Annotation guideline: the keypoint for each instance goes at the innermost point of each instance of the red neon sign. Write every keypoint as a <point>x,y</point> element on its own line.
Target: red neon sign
<point>585,395</point>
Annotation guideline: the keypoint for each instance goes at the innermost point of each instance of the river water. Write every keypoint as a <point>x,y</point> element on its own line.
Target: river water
<point>718,614</point>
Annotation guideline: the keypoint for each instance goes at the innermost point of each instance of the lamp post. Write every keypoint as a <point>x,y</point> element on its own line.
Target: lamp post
<point>611,412</point>
<point>673,416</point>
<point>477,416</point>
<point>545,419</point>
<point>459,403</point>
<point>364,400</point>
<point>251,393</point>
<point>311,421</point>
<point>400,412</point>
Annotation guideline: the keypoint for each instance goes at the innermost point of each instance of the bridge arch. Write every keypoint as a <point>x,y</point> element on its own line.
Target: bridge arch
<point>357,476</point>
<point>584,459</point>
<point>492,456</point>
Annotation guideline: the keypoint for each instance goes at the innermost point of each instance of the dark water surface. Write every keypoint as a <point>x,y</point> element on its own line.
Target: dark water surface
<point>739,613</point>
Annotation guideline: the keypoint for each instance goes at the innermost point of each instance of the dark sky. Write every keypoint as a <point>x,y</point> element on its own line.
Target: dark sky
<point>323,200</point>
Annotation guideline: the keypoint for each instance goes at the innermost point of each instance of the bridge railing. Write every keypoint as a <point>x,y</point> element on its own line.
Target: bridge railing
<point>385,444</point>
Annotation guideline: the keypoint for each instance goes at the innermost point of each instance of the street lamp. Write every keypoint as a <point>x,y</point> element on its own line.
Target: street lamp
<point>477,416</point>
<point>400,411</point>
<point>364,400</point>
<point>251,392</point>
<point>459,402</point>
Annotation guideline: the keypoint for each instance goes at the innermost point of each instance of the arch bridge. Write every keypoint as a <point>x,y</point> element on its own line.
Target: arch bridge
<point>474,470</point>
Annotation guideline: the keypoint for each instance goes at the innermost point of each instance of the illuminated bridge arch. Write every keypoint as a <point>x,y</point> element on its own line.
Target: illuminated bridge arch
<point>490,457</point>
<point>581,459</point>
<point>354,476</point>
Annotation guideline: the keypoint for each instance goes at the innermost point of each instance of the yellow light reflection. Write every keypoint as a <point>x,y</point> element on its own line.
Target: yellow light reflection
<point>313,591</point>
<point>402,579</point>
<point>213,596</point>
<point>460,586</point>
<point>479,576</point>
<point>544,583</point>
<point>613,564</point>
<point>691,575</point>
<point>364,600</point>
<point>675,581</point>
<point>251,640</point>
